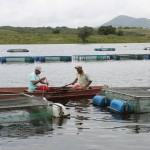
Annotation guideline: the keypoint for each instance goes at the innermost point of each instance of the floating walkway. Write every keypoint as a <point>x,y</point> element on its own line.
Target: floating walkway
<point>17,50</point>
<point>104,49</point>
<point>111,57</point>
<point>125,99</point>
<point>44,59</point>
<point>32,59</point>
<point>91,57</point>
<point>146,48</point>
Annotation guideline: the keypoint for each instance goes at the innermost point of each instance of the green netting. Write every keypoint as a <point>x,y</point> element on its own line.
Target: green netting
<point>138,97</point>
<point>29,59</point>
<point>65,58</point>
<point>24,114</point>
<point>25,129</point>
<point>24,109</point>
<point>102,57</point>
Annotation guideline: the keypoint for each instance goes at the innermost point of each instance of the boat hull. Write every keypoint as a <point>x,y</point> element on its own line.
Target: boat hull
<point>56,94</point>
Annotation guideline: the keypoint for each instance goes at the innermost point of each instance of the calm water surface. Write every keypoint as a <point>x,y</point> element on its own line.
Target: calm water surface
<point>88,127</point>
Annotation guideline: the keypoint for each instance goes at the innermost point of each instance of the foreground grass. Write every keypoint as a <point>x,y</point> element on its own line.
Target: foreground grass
<point>130,36</point>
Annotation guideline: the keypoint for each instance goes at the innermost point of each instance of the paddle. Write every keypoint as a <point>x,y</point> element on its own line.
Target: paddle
<point>66,85</point>
<point>62,87</point>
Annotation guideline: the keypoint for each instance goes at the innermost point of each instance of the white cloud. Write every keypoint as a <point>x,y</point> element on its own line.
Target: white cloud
<point>70,13</point>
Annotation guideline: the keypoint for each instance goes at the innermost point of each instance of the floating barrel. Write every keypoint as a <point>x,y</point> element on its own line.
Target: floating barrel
<point>100,100</point>
<point>58,58</point>
<point>3,59</point>
<point>65,58</point>
<point>147,56</point>
<point>91,57</point>
<point>52,58</point>
<point>29,59</point>
<point>110,56</point>
<point>132,56</point>
<point>40,58</point>
<point>15,59</point>
<point>140,57</point>
<point>103,57</point>
<point>120,106</point>
<point>116,57</point>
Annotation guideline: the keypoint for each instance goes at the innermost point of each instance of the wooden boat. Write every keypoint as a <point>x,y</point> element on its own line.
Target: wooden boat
<point>56,94</point>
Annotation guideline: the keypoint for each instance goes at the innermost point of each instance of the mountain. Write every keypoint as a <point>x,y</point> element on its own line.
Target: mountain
<point>126,21</point>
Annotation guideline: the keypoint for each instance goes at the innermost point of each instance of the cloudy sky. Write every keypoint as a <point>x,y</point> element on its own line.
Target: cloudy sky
<point>69,13</point>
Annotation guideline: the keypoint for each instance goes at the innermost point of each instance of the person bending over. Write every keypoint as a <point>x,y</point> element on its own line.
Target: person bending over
<point>34,80</point>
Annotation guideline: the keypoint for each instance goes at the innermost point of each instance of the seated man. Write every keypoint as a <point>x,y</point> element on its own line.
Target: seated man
<point>34,79</point>
<point>83,80</point>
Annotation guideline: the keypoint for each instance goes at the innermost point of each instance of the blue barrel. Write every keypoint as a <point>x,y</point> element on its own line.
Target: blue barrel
<point>2,59</point>
<point>37,58</point>
<point>100,101</point>
<point>116,57</point>
<point>147,56</point>
<point>120,106</point>
<point>40,58</point>
<point>111,56</point>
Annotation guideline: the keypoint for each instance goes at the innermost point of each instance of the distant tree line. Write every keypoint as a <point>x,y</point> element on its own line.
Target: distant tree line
<point>83,32</point>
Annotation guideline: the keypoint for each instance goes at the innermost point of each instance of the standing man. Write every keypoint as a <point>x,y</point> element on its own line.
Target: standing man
<point>34,79</point>
<point>83,80</point>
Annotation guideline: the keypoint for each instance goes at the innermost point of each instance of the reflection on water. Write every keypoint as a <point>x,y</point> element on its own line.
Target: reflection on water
<point>59,121</point>
<point>88,123</point>
<point>26,129</point>
<point>135,123</point>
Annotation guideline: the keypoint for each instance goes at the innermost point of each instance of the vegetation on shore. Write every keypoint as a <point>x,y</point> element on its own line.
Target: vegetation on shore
<point>64,35</point>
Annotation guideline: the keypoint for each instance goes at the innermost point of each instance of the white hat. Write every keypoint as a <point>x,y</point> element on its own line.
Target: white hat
<point>38,68</point>
<point>78,66</point>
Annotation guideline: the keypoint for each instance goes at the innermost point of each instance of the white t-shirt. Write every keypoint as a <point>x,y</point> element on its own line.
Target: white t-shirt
<point>83,79</point>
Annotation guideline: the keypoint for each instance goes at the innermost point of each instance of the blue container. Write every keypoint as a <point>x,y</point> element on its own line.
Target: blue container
<point>100,101</point>
<point>147,56</point>
<point>116,57</point>
<point>111,56</point>
<point>2,59</point>
<point>40,58</point>
<point>120,106</point>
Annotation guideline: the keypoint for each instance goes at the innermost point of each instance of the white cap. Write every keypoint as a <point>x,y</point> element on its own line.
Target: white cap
<point>38,68</point>
<point>78,66</point>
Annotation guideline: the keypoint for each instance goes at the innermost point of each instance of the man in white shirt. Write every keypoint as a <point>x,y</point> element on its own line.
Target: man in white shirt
<point>82,80</point>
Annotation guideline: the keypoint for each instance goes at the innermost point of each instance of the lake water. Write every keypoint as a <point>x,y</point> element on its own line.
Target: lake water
<point>88,127</point>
